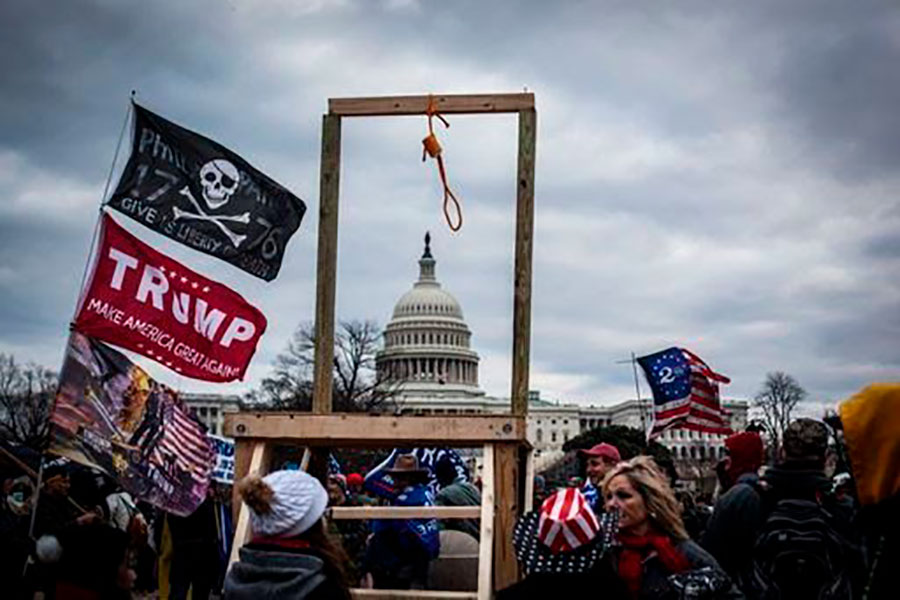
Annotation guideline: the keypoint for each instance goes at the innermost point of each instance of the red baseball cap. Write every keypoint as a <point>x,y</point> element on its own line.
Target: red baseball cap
<point>603,449</point>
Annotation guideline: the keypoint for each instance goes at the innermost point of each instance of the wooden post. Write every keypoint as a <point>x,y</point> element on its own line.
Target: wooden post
<point>326,267</point>
<point>506,482</point>
<point>486,543</point>
<point>524,242</point>
<point>528,484</point>
<point>259,462</point>
<point>243,449</point>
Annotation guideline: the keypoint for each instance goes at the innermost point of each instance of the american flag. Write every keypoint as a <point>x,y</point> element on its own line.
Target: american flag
<point>685,392</point>
<point>183,444</point>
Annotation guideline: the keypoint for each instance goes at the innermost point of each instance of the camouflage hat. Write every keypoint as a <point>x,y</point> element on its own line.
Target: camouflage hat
<point>805,439</point>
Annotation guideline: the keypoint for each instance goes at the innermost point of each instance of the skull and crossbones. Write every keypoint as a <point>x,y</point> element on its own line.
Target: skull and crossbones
<point>219,180</point>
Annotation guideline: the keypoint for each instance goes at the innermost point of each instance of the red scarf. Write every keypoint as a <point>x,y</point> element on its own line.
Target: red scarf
<point>287,543</point>
<point>636,548</point>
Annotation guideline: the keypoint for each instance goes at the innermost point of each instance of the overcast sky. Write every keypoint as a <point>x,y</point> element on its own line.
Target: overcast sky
<point>721,176</point>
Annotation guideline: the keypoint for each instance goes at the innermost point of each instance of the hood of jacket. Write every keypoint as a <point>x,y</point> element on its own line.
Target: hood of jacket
<point>871,421</point>
<point>796,480</point>
<point>264,575</point>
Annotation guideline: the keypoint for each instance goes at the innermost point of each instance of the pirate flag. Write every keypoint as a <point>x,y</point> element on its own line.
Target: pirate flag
<point>200,193</point>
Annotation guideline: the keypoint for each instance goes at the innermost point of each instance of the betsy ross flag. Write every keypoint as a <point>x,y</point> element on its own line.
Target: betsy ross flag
<point>685,392</point>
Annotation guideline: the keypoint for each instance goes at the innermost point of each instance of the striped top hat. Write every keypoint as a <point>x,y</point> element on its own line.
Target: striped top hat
<point>564,536</point>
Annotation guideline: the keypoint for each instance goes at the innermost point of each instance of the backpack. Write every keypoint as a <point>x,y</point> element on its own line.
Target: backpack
<point>801,555</point>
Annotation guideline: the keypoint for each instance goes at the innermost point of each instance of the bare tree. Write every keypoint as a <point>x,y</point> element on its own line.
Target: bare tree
<point>357,385</point>
<point>777,399</point>
<point>26,397</point>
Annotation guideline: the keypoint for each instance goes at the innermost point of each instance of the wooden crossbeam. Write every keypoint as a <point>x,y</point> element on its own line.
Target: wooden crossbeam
<point>384,106</point>
<point>404,512</point>
<point>376,431</point>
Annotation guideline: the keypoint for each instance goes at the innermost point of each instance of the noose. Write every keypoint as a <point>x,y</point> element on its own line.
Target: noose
<point>431,147</point>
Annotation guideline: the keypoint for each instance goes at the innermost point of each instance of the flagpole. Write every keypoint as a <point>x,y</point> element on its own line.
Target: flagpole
<point>37,497</point>
<point>112,168</point>
<point>87,264</point>
<point>637,391</point>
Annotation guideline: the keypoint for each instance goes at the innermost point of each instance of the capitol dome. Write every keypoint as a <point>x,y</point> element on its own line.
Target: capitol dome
<point>427,342</point>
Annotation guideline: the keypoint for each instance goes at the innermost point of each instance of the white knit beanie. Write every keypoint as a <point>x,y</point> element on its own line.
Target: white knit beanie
<point>299,501</point>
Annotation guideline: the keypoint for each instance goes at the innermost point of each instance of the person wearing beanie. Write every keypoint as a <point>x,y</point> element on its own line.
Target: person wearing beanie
<point>800,470</point>
<point>738,514</point>
<point>290,554</point>
<point>798,480</point>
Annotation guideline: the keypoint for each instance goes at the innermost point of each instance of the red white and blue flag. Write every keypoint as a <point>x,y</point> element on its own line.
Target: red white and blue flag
<point>685,392</point>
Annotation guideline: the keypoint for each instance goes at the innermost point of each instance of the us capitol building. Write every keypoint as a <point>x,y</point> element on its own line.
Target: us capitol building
<point>428,352</point>
<point>428,349</point>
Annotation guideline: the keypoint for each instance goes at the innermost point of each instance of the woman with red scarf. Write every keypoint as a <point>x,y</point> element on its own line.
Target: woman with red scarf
<point>654,557</point>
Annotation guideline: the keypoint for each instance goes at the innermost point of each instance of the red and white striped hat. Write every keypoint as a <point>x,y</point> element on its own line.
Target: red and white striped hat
<point>567,521</point>
<point>563,536</point>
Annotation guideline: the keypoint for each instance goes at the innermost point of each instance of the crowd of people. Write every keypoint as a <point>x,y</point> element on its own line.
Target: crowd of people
<point>787,527</point>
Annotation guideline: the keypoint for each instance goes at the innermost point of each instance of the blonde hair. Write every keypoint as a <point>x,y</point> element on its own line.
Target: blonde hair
<point>645,476</point>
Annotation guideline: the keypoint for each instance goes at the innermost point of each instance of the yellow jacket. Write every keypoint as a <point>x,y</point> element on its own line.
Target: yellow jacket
<point>871,421</point>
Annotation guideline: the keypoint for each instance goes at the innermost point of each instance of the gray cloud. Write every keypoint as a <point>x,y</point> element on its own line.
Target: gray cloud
<point>719,177</point>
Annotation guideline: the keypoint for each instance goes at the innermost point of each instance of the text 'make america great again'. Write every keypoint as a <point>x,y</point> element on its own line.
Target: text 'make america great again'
<point>144,301</point>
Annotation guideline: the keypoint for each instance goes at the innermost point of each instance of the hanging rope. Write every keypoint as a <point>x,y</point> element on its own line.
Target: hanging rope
<point>431,147</point>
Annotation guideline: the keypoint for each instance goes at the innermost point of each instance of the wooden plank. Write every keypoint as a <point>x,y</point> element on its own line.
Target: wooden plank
<point>375,430</point>
<point>243,452</point>
<point>367,594</point>
<point>326,266</point>
<point>304,460</point>
<point>417,105</point>
<point>486,542</point>
<point>404,512</point>
<point>242,532</point>
<point>529,481</point>
<point>506,511</point>
<point>524,243</point>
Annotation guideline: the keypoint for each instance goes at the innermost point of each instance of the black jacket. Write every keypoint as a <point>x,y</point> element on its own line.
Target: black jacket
<point>655,577</point>
<point>733,527</point>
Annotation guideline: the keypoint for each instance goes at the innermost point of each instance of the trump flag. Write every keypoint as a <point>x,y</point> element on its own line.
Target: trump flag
<point>144,301</point>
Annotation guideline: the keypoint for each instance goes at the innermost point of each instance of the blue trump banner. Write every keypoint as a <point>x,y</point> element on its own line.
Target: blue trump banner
<point>223,470</point>
<point>379,482</point>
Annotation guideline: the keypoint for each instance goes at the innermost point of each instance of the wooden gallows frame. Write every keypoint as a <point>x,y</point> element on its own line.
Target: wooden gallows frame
<point>506,475</point>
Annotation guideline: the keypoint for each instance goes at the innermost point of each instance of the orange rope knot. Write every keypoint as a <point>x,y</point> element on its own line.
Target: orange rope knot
<point>432,148</point>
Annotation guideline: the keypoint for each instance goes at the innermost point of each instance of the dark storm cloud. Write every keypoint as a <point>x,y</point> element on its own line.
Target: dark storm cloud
<point>838,88</point>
